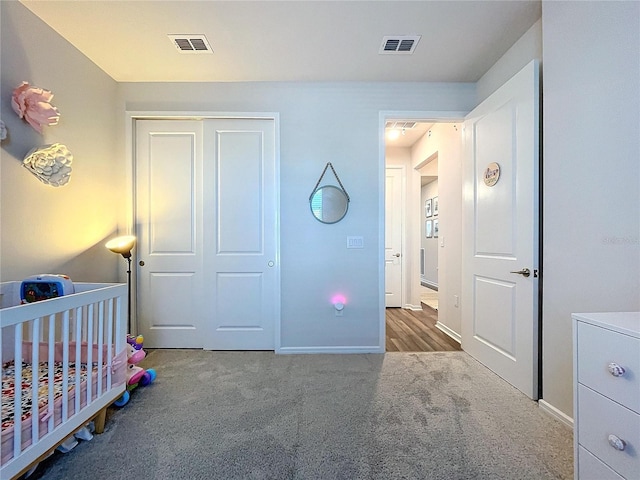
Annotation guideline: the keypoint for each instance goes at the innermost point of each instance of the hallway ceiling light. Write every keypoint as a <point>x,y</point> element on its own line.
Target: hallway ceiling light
<point>393,134</point>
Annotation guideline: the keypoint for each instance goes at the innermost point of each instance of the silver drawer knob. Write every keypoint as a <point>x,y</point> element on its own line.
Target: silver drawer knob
<point>617,442</point>
<point>615,369</point>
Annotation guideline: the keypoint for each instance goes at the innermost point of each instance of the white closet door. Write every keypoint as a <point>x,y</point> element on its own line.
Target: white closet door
<point>170,249</point>
<point>241,234</point>
<point>206,214</point>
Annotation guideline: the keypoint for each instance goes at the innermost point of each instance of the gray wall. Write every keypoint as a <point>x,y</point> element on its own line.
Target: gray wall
<point>591,173</point>
<point>319,122</point>
<point>47,229</point>
<point>528,47</point>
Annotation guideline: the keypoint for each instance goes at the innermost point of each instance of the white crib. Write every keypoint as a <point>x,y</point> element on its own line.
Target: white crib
<point>79,341</point>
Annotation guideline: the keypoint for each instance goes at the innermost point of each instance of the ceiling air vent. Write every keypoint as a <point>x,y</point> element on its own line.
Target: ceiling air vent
<point>190,43</point>
<point>400,124</point>
<point>399,44</point>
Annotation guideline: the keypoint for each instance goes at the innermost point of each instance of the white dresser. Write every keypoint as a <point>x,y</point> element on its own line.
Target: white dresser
<point>606,395</point>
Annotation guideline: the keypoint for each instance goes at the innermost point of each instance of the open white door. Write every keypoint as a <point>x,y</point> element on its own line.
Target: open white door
<point>393,236</point>
<point>500,231</point>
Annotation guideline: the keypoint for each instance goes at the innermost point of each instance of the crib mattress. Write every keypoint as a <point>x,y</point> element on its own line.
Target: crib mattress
<point>28,378</point>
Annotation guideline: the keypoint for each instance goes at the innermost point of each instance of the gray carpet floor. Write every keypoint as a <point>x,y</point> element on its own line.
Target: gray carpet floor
<point>257,415</point>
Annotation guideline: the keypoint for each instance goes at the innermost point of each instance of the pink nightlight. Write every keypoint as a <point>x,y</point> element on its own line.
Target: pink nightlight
<point>338,298</point>
<point>338,301</point>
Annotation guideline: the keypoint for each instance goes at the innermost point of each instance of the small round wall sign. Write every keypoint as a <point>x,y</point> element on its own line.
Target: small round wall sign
<point>492,174</point>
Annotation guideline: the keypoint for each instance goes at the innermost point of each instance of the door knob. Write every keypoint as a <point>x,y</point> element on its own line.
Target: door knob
<point>617,443</point>
<point>396,255</point>
<point>615,369</point>
<point>141,263</point>
<point>525,272</point>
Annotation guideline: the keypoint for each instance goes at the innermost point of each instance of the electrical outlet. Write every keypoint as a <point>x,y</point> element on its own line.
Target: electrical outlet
<point>355,242</point>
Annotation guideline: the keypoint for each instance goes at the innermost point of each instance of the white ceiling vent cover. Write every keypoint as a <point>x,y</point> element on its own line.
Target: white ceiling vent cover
<point>399,44</point>
<point>190,43</point>
<point>399,124</point>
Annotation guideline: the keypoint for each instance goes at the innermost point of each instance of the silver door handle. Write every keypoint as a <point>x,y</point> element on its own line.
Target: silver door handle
<point>396,255</point>
<point>525,272</point>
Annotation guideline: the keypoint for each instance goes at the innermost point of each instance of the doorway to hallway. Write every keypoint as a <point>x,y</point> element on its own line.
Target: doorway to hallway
<point>416,331</point>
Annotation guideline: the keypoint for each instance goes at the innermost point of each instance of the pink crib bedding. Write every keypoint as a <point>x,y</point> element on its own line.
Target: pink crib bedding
<point>9,391</point>
<point>118,374</point>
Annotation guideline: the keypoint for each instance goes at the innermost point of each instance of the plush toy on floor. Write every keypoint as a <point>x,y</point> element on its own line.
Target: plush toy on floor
<point>136,376</point>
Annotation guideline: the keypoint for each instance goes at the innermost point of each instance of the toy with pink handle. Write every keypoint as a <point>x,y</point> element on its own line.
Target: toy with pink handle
<point>136,376</point>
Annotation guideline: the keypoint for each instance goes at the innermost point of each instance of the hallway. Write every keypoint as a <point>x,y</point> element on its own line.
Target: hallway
<point>416,331</point>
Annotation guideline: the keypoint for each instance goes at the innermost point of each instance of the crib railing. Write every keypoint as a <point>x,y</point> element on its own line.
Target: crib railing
<point>87,327</point>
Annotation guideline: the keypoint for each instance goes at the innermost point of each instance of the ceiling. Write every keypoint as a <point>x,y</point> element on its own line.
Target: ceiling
<point>290,40</point>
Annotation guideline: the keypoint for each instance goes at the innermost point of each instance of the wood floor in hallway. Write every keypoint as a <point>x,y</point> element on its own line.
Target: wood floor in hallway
<point>416,331</point>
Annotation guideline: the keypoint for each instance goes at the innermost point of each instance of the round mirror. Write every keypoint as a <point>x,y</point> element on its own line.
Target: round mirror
<point>329,204</point>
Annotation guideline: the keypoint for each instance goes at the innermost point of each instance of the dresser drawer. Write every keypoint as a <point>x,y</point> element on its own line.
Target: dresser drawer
<point>597,348</point>
<point>600,417</point>
<point>590,468</point>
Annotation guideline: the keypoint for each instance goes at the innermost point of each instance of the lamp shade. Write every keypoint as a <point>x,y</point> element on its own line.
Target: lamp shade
<point>122,245</point>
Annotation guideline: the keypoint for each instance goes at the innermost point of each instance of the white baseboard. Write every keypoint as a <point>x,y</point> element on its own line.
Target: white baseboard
<point>301,350</point>
<point>456,336</point>
<point>554,412</point>
<point>415,308</point>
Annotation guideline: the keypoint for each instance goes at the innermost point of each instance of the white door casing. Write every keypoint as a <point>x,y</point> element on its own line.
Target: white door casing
<point>393,251</point>
<point>501,232</point>
<point>206,217</point>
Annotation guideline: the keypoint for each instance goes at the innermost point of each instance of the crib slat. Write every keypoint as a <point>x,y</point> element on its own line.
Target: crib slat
<point>35,380</point>
<point>78,360</point>
<point>99,343</point>
<point>65,365</point>
<point>90,322</point>
<point>17,406</point>
<point>50,372</point>
<point>109,351</point>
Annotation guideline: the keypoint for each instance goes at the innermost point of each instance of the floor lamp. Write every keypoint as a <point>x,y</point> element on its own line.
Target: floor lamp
<point>123,246</point>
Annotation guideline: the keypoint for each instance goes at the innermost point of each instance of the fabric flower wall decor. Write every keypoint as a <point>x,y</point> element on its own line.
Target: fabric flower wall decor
<point>32,104</point>
<point>50,163</point>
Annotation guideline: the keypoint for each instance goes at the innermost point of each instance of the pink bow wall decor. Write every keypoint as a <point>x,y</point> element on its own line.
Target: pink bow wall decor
<point>32,104</point>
